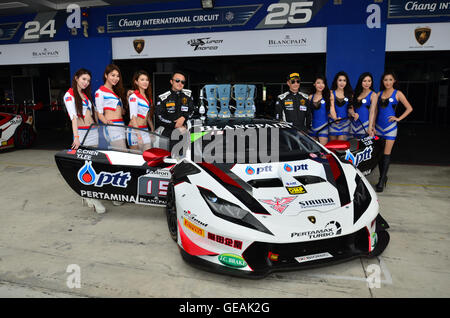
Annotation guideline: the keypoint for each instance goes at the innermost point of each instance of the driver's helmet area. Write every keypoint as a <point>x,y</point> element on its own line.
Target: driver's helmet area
<point>123,138</point>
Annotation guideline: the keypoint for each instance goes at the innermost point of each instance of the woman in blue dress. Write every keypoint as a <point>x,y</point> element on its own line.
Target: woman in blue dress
<point>343,99</point>
<point>364,107</point>
<point>386,122</point>
<point>322,104</point>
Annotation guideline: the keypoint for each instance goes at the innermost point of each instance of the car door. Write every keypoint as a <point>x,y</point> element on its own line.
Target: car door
<point>113,173</point>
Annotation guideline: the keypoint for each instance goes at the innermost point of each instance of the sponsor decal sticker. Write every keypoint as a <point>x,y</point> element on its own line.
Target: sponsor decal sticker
<point>317,203</point>
<point>225,240</point>
<point>296,190</point>
<point>232,260</point>
<point>313,257</point>
<point>295,168</point>
<point>359,157</point>
<point>257,170</point>
<point>331,229</point>
<point>194,228</point>
<point>279,204</point>
<point>87,176</point>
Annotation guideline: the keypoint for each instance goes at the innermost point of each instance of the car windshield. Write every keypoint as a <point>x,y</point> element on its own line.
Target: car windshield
<point>257,145</point>
<point>123,138</point>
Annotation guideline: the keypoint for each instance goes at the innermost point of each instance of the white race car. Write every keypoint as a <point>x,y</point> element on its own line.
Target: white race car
<point>243,213</point>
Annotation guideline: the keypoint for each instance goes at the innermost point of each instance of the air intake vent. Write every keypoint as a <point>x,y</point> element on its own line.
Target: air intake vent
<point>309,179</point>
<point>266,183</point>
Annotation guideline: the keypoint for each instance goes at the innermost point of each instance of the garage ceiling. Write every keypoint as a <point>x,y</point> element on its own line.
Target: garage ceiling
<point>33,6</point>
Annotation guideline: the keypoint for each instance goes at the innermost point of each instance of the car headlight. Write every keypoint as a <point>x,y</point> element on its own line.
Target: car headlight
<point>361,199</point>
<point>231,212</point>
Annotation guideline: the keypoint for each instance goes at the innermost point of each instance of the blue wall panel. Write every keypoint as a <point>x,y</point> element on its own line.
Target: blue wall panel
<point>93,54</point>
<point>354,48</point>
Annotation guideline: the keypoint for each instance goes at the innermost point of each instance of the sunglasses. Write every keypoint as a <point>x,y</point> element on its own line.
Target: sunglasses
<point>295,81</point>
<point>178,80</point>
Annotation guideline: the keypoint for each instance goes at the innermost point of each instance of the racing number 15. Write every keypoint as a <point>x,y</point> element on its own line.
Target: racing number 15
<point>162,187</point>
<point>282,13</point>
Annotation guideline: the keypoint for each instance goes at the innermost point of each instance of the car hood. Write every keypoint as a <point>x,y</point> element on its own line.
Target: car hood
<point>289,188</point>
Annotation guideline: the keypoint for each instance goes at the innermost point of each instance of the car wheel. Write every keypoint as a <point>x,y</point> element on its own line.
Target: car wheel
<point>171,212</point>
<point>24,136</point>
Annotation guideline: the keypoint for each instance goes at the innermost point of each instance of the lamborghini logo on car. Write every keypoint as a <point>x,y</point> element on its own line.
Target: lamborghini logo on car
<point>279,204</point>
<point>312,219</point>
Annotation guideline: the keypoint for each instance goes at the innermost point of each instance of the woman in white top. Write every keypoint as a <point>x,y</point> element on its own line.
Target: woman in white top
<point>79,108</point>
<point>141,111</point>
<point>109,105</point>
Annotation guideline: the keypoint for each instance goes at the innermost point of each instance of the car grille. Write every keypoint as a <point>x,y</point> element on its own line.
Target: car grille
<point>263,257</point>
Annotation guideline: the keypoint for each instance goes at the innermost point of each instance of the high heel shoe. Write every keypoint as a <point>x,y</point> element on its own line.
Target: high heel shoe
<point>384,167</point>
<point>379,187</point>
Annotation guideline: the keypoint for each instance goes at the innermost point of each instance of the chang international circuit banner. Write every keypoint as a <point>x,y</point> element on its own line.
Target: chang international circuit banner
<point>181,19</point>
<point>302,40</point>
<point>418,8</point>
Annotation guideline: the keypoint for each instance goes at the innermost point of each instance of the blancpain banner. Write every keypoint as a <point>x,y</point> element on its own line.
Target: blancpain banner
<point>34,53</point>
<point>418,37</point>
<point>305,40</point>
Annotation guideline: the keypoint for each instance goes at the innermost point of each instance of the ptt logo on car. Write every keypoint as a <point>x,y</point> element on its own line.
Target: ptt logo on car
<point>255,171</point>
<point>294,168</point>
<point>359,157</point>
<point>87,176</point>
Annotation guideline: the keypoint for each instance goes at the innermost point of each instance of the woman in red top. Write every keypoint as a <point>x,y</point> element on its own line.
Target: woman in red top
<point>79,108</point>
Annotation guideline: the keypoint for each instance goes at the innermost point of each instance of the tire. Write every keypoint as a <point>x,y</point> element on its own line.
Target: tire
<point>24,136</point>
<point>171,213</point>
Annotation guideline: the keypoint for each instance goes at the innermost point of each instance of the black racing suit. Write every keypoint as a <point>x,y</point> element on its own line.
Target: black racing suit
<point>294,108</point>
<point>172,105</point>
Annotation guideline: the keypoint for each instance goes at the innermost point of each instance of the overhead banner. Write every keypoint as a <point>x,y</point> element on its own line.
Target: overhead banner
<point>418,8</point>
<point>289,41</point>
<point>181,19</point>
<point>417,37</point>
<point>34,53</point>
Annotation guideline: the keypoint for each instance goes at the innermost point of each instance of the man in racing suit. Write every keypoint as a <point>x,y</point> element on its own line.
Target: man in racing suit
<point>174,107</point>
<point>293,106</point>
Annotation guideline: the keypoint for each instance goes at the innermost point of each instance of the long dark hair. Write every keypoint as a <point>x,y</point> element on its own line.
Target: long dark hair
<point>86,91</point>
<point>148,91</point>
<point>395,86</point>
<point>118,88</point>
<point>325,92</point>
<point>359,88</point>
<point>348,91</point>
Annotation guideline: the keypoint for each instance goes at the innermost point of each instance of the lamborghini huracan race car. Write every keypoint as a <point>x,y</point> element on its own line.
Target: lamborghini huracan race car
<point>241,213</point>
<point>16,130</point>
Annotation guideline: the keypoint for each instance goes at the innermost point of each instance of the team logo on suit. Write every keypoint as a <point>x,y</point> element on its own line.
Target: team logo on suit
<point>422,35</point>
<point>138,45</point>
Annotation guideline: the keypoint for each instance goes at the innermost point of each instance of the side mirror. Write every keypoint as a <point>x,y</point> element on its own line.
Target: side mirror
<point>155,156</point>
<point>338,145</point>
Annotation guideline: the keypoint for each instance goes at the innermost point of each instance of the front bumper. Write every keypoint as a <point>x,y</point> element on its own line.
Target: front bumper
<point>265,258</point>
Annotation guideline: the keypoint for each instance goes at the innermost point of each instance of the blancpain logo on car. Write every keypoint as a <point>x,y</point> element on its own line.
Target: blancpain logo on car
<point>331,229</point>
<point>87,176</point>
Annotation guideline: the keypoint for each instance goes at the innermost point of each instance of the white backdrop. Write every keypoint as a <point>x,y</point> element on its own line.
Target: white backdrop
<point>401,37</point>
<point>34,53</point>
<point>304,40</point>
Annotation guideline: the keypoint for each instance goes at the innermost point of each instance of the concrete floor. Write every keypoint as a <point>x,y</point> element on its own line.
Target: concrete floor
<point>127,252</point>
